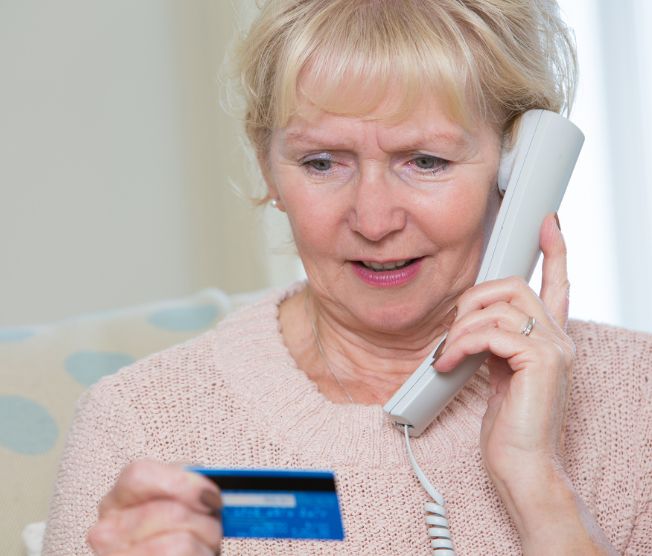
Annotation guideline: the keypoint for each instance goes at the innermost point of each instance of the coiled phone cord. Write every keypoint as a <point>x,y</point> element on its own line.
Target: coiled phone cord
<point>438,529</point>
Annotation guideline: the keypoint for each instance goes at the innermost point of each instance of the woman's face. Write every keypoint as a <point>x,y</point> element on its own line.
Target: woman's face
<point>366,195</point>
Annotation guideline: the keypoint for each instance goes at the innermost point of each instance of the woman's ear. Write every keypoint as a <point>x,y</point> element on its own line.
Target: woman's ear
<point>272,190</point>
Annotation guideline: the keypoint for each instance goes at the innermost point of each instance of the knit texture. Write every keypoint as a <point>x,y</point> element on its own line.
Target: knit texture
<point>234,397</point>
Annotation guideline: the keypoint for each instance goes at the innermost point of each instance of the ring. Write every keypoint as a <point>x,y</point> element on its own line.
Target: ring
<point>529,325</point>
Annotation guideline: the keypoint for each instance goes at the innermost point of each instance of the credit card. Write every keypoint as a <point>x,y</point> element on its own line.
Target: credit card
<point>277,504</point>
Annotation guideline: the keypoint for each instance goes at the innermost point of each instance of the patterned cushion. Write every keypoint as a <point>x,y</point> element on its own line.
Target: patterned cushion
<point>44,369</point>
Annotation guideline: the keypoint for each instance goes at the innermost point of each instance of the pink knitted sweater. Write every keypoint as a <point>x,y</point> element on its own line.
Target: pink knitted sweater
<point>234,397</point>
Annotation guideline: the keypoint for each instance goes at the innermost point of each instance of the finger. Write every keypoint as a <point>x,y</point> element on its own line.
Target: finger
<point>498,315</point>
<point>170,544</point>
<point>146,480</point>
<point>519,350</point>
<point>554,283</point>
<point>133,525</point>
<point>513,290</point>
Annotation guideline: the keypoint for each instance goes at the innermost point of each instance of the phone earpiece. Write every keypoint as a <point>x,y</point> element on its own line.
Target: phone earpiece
<point>505,169</point>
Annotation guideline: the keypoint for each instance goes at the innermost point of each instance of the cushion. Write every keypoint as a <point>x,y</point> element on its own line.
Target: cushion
<point>44,369</point>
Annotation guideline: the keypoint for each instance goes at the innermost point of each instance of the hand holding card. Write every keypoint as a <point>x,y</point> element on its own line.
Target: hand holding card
<point>157,508</point>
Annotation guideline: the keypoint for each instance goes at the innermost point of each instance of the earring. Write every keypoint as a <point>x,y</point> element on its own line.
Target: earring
<point>274,203</point>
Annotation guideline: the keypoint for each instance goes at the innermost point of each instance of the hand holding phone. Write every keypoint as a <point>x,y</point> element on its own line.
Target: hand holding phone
<point>533,175</point>
<point>530,364</point>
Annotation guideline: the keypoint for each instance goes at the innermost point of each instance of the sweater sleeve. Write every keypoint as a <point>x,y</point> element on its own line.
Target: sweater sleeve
<point>640,541</point>
<point>104,437</point>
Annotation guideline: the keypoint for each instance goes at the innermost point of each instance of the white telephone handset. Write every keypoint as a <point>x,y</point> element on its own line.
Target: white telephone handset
<point>533,175</point>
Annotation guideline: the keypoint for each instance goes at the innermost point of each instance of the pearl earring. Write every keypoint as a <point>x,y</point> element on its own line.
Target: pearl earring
<point>274,203</point>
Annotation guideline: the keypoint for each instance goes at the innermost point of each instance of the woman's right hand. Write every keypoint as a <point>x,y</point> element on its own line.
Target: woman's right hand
<point>158,508</point>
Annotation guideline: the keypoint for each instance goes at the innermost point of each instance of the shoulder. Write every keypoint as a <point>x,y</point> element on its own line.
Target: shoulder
<point>604,339</point>
<point>609,356</point>
<point>609,424</point>
<point>611,389</point>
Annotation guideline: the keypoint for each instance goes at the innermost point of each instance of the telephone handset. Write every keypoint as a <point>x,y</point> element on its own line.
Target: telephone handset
<point>533,176</point>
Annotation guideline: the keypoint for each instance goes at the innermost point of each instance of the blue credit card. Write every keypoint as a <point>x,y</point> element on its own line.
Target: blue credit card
<point>277,504</point>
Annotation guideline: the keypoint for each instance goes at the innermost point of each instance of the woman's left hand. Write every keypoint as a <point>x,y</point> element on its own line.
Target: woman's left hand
<point>529,375</point>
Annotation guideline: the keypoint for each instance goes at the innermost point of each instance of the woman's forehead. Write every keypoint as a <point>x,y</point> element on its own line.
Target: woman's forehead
<point>418,133</point>
<point>425,120</point>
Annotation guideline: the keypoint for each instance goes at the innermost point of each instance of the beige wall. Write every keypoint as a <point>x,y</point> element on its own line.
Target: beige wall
<point>116,160</point>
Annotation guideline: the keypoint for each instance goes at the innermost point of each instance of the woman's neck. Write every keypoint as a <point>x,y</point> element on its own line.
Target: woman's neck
<point>349,363</point>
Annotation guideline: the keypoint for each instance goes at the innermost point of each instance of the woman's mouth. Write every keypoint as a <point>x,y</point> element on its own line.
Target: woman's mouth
<point>378,267</point>
<point>387,274</point>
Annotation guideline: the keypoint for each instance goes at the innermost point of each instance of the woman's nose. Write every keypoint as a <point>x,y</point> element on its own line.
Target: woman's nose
<point>377,211</point>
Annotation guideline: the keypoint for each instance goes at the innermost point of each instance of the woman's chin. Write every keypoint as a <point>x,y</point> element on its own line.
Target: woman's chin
<point>394,319</point>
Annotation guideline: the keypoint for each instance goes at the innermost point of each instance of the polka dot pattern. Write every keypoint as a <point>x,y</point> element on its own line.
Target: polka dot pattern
<point>87,367</point>
<point>26,427</point>
<point>184,319</point>
<point>44,368</point>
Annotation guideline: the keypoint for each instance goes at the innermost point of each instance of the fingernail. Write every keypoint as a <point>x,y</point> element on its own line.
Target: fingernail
<point>450,317</point>
<point>438,352</point>
<point>212,500</point>
<point>557,220</point>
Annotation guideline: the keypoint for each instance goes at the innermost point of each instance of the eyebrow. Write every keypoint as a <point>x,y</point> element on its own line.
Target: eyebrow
<point>308,138</point>
<point>455,140</point>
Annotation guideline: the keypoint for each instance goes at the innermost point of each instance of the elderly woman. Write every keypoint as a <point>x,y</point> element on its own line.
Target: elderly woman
<point>378,127</point>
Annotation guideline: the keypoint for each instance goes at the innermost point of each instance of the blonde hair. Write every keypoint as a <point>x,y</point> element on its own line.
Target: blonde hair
<point>492,59</point>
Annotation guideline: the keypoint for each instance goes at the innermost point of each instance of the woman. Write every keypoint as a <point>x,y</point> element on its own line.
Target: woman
<point>378,127</point>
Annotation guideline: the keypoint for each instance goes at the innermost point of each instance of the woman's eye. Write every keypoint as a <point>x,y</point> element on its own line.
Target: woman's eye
<point>319,164</point>
<point>429,163</point>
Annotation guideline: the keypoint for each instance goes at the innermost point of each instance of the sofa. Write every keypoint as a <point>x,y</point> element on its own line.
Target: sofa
<point>43,371</point>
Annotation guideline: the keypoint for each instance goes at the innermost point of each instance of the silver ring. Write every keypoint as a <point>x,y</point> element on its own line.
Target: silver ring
<point>529,325</point>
